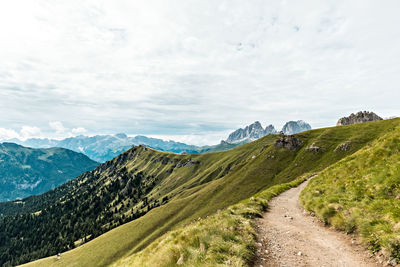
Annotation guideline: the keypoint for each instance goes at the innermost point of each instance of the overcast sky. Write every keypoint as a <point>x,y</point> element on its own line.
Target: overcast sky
<point>193,70</point>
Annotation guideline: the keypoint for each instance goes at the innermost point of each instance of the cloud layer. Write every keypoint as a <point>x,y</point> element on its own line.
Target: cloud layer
<point>193,68</point>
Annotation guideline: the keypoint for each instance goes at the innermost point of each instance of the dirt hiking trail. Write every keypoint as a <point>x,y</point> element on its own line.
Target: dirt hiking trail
<point>289,236</point>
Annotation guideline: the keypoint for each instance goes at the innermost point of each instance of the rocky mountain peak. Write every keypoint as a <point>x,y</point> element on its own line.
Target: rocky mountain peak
<point>255,131</point>
<point>270,129</point>
<point>359,117</point>
<point>252,131</point>
<point>294,127</point>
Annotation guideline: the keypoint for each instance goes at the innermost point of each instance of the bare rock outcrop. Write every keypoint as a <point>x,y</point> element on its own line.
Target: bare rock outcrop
<point>289,142</point>
<point>187,163</point>
<point>359,117</point>
<point>314,148</point>
<point>343,147</point>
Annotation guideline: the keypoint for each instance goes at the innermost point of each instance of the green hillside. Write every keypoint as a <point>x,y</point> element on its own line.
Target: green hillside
<point>181,188</point>
<point>225,238</point>
<point>27,171</point>
<point>361,194</point>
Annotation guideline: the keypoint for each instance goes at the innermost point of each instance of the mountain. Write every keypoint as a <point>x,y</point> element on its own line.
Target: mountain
<point>359,117</point>
<point>130,202</point>
<point>102,148</point>
<point>26,171</point>
<point>294,127</point>
<point>252,132</point>
<point>270,129</point>
<point>255,131</point>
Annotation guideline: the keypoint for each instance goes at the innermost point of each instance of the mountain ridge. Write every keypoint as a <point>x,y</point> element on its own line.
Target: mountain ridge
<point>102,148</point>
<point>28,171</point>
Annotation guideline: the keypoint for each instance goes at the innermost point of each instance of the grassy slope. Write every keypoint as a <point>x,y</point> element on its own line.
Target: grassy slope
<point>195,192</point>
<point>361,194</point>
<point>224,238</point>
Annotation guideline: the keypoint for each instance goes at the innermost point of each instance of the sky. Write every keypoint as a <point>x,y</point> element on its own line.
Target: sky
<point>193,70</point>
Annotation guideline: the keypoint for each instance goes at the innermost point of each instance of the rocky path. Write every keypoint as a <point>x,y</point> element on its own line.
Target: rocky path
<point>288,236</point>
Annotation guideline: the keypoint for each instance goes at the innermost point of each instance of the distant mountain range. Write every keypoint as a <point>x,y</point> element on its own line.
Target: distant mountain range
<point>26,171</point>
<point>102,148</point>
<point>255,131</point>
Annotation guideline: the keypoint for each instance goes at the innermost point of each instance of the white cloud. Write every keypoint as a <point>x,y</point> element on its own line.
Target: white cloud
<point>196,67</point>
<point>29,132</point>
<point>6,134</point>
<point>58,127</point>
<point>79,130</point>
<point>57,131</point>
<point>24,133</point>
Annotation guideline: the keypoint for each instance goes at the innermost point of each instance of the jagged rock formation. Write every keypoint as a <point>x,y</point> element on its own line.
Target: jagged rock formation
<point>250,133</point>
<point>255,131</point>
<point>359,117</point>
<point>294,127</point>
<point>289,142</point>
